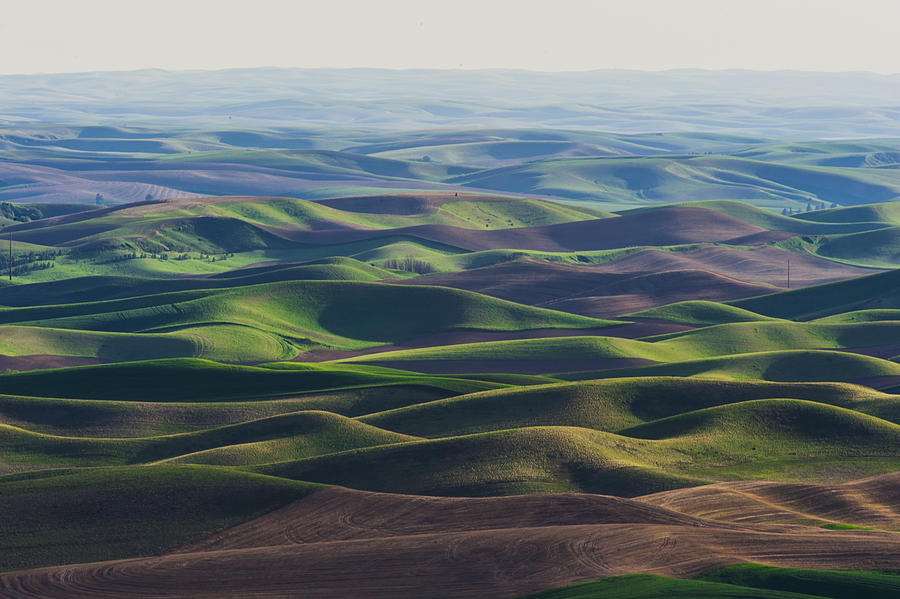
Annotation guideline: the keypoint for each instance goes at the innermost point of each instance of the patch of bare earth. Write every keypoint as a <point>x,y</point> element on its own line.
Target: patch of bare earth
<point>344,543</point>
<point>873,502</point>
<point>595,291</point>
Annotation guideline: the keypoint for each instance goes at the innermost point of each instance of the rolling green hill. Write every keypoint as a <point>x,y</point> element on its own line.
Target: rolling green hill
<point>876,291</point>
<point>247,223</point>
<point>514,461</point>
<point>181,380</point>
<point>743,581</point>
<point>776,366</point>
<point>771,439</point>
<point>879,248</point>
<point>127,511</point>
<point>131,418</point>
<point>202,420</point>
<point>267,322</point>
<point>887,213</point>
<point>286,436</point>
<point>226,343</point>
<point>556,349</point>
<point>86,289</point>
<point>886,314</point>
<point>611,405</point>
<point>668,179</point>
<point>804,223</point>
<point>726,340</point>
<point>701,313</point>
<point>280,438</point>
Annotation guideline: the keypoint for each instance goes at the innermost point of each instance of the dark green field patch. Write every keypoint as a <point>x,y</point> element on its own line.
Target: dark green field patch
<point>743,581</point>
<point>192,380</point>
<point>70,516</point>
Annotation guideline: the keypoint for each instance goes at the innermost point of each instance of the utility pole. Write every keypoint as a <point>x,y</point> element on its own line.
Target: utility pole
<point>789,273</point>
<point>10,256</point>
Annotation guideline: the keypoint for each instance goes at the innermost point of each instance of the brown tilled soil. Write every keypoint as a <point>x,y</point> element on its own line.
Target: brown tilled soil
<point>592,290</point>
<point>661,226</point>
<point>641,291</point>
<point>599,291</point>
<point>873,502</point>
<point>339,514</point>
<point>343,543</point>
<point>764,265</point>
<point>645,279</point>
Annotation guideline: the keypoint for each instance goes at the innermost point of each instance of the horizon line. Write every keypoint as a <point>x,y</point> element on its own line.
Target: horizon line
<point>454,69</point>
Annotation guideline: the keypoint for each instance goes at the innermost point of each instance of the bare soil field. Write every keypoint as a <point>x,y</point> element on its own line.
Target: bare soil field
<point>594,291</point>
<point>759,265</point>
<point>659,227</point>
<point>873,502</point>
<point>340,543</point>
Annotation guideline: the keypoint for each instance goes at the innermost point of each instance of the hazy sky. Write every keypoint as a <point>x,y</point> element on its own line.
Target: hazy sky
<point>552,35</point>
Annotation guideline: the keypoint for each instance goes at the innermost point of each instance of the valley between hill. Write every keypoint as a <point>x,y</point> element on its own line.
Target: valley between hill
<point>355,372</point>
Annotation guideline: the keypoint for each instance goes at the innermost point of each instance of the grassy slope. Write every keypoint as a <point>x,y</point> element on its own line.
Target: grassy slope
<point>680,437</point>
<point>182,380</point>
<point>123,419</point>
<point>225,225</point>
<point>126,512</point>
<point>90,288</point>
<point>887,213</point>
<point>334,313</point>
<point>774,439</point>
<point>670,179</point>
<point>551,349</point>
<point>744,581</point>
<point>285,437</point>
<point>540,459</point>
<point>263,322</point>
<point>331,163</point>
<point>647,586</point>
<point>610,405</point>
<point>880,290</point>
<point>778,366</point>
<point>879,248</point>
<point>745,337</point>
<point>886,314</point>
<point>700,312</point>
<point>500,214</point>
<point>835,584</point>
<point>226,343</point>
<point>490,212</point>
<point>282,437</point>
<point>773,221</point>
<point>719,340</point>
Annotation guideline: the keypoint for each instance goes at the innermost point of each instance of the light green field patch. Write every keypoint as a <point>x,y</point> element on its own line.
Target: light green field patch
<point>777,366</point>
<point>700,312</point>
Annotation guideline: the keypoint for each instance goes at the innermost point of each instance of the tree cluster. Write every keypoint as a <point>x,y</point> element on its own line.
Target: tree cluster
<point>19,213</point>
<point>410,265</point>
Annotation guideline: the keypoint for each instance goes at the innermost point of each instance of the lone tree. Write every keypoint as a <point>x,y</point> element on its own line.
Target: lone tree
<point>98,199</point>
